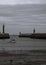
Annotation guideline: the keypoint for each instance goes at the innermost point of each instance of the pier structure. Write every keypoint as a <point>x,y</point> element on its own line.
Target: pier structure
<point>3,28</point>
<point>34,30</point>
<point>4,35</point>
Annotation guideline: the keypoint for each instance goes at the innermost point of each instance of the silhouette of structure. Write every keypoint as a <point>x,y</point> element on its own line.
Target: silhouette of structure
<point>34,35</point>
<point>4,35</point>
<point>3,28</point>
<point>34,30</point>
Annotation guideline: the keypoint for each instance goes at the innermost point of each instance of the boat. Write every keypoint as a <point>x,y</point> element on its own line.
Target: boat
<point>12,40</point>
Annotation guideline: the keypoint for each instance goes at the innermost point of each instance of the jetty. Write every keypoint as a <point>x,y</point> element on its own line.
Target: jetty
<point>4,35</point>
<point>33,35</point>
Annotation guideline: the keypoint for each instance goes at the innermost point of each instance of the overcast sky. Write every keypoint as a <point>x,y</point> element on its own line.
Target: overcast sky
<point>23,16</point>
<point>21,1</point>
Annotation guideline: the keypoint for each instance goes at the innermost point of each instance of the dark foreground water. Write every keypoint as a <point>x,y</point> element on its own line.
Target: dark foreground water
<point>33,57</point>
<point>24,51</point>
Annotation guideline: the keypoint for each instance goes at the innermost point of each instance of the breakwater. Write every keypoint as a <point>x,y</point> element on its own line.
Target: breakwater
<point>34,35</point>
<point>4,36</point>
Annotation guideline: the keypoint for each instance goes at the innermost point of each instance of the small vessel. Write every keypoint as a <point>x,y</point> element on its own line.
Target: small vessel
<point>12,40</point>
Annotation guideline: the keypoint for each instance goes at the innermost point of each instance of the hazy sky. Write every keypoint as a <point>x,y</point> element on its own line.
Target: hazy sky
<point>21,1</point>
<point>24,17</point>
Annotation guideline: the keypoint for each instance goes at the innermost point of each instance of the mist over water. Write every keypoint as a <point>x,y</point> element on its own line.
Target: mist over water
<point>23,18</point>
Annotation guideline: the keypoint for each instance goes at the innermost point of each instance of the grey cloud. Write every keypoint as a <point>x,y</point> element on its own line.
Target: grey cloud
<point>21,1</point>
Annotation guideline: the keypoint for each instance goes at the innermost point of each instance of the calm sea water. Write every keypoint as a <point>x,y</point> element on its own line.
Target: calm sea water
<point>22,44</point>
